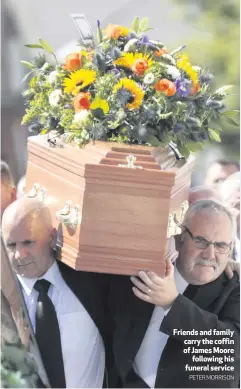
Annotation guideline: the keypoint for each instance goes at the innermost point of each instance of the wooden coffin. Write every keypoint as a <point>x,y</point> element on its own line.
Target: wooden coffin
<point>123,217</point>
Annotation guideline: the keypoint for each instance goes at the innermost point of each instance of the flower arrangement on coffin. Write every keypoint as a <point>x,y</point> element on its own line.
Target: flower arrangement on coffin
<point>128,89</point>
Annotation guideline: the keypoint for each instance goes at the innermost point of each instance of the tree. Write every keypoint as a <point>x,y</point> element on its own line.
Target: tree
<point>216,46</point>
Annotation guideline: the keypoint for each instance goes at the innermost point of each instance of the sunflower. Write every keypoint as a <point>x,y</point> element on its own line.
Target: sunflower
<point>78,80</point>
<point>128,60</point>
<point>183,63</point>
<point>101,104</point>
<point>136,92</point>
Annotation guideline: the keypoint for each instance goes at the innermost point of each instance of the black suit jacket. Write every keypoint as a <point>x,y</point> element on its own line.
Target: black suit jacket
<point>212,306</point>
<point>90,289</point>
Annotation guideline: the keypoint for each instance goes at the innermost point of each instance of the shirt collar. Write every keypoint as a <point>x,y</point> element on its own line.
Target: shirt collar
<point>52,275</point>
<point>181,283</point>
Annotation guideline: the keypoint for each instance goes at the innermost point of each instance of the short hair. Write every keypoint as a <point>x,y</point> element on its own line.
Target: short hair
<point>6,175</point>
<point>201,205</point>
<point>226,162</point>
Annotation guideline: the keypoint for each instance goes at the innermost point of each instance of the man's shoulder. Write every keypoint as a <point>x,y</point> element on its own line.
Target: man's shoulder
<point>79,279</point>
<point>233,282</point>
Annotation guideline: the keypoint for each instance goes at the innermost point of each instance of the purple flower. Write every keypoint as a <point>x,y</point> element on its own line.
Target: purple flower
<point>183,86</point>
<point>130,36</point>
<point>115,71</point>
<point>145,41</point>
<point>214,104</point>
<point>98,23</point>
<point>178,127</point>
<point>206,78</point>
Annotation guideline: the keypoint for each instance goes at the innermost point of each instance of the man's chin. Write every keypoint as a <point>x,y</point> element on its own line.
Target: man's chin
<point>205,274</point>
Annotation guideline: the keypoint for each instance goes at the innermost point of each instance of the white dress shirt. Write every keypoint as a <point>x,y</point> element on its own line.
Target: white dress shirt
<point>147,359</point>
<point>82,345</point>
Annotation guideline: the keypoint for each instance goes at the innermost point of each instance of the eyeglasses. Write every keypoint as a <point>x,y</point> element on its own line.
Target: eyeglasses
<point>201,243</point>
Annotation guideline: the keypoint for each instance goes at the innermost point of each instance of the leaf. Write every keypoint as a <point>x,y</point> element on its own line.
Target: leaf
<point>231,122</point>
<point>46,46</point>
<point>165,115</point>
<point>174,52</point>
<point>148,29</point>
<point>223,90</point>
<point>99,35</point>
<point>184,150</point>
<point>44,131</point>
<point>27,64</point>
<point>153,141</point>
<point>143,25</point>
<point>231,113</point>
<point>195,146</point>
<point>167,59</point>
<point>34,46</point>
<point>214,135</point>
<point>135,24</point>
<point>26,76</point>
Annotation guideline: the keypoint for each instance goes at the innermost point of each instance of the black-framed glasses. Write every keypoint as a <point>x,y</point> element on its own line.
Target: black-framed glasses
<point>202,243</point>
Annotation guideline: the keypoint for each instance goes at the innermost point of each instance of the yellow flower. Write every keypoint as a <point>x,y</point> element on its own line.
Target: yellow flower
<point>128,60</point>
<point>114,31</point>
<point>124,31</point>
<point>98,103</point>
<point>183,63</point>
<point>137,93</point>
<point>78,80</point>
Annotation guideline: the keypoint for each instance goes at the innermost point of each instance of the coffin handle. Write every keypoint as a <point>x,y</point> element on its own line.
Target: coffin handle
<point>130,159</point>
<point>37,192</point>
<point>174,225</point>
<point>69,214</point>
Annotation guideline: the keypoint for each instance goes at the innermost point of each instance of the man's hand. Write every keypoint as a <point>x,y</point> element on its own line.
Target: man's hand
<point>231,267</point>
<point>154,289</point>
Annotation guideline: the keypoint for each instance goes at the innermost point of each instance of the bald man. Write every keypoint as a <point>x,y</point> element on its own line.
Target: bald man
<point>203,192</point>
<point>65,306</point>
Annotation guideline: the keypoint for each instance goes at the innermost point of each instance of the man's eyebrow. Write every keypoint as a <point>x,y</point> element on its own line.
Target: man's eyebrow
<point>200,237</point>
<point>224,243</point>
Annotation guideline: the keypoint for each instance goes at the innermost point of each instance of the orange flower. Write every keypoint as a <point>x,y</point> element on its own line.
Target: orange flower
<point>166,86</point>
<point>139,67</point>
<point>113,31</point>
<point>81,101</point>
<point>194,90</point>
<point>72,61</point>
<point>160,52</point>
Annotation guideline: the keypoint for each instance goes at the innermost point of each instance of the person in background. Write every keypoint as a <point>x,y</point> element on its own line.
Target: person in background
<point>219,171</point>
<point>8,189</point>
<point>203,192</point>
<point>230,191</point>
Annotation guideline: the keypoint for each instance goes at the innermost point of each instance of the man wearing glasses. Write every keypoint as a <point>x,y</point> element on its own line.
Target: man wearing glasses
<point>159,329</point>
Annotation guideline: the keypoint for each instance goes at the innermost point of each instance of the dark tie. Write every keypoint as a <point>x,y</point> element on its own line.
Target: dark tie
<point>48,336</point>
<point>190,293</point>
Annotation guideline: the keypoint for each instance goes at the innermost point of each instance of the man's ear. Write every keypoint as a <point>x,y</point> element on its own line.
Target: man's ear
<point>178,241</point>
<point>13,194</point>
<point>53,237</point>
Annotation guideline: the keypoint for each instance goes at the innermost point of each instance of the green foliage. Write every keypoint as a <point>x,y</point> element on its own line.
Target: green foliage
<point>217,25</point>
<point>18,369</point>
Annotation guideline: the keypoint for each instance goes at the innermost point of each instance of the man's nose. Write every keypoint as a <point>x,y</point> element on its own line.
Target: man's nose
<point>209,252</point>
<point>20,252</point>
